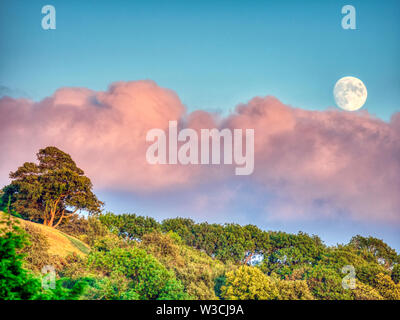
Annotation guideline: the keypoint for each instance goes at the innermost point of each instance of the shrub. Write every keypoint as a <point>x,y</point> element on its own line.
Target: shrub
<point>146,275</point>
<point>294,290</point>
<point>386,287</point>
<point>365,292</point>
<point>196,270</point>
<point>249,283</point>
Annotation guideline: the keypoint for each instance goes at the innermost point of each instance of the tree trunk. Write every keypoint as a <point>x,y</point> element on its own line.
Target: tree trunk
<point>53,211</point>
<point>59,221</point>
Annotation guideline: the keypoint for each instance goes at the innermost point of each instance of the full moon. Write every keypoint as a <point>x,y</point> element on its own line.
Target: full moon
<point>350,93</point>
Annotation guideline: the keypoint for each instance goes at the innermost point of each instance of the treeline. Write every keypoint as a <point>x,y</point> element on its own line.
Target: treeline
<point>228,242</point>
<point>292,262</point>
<point>136,257</point>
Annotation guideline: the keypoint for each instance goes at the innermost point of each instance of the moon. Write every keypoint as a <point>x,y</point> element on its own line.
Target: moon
<point>350,93</point>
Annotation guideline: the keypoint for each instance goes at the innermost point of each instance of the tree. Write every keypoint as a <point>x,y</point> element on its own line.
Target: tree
<point>294,290</point>
<point>129,226</point>
<point>396,274</point>
<point>249,283</point>
<point>365,292</point>
<point>143,274</point>
<point>325,283</point>
<point>383,253</point>
<point>290,252</point>
<point>183,227</point>
<point>52,190</point>
<point>15,282</point>
<point>196,270</point>
<point>228,242</point>
<point>386,287</point>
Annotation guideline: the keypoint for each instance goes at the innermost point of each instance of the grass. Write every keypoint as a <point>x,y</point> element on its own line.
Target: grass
<point>60,243</point>
<point>79,244</point>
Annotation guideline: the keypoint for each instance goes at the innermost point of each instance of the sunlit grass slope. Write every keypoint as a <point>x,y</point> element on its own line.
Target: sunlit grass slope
<point>60,243</point>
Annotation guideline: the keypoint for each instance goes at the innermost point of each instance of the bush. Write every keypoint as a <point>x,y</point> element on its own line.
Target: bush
<point>196,270</point>
<point>386,287</point>
<point>294,290</point>
<point>365,292</point>
<point>249,283</point>
<point>145,275</point>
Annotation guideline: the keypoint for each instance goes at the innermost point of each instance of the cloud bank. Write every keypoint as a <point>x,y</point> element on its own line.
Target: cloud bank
<point>308,164</point>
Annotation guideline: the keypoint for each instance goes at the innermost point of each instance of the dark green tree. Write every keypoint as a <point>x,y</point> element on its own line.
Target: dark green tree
<point>396,274</point>
<point>15,282</point>
<point>52,190</point>
<point>129,226</point>
<point>382,252</point>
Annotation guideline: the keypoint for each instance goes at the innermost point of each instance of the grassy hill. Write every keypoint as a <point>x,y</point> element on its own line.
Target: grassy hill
<point>60,244</point>
<point>135,257</point>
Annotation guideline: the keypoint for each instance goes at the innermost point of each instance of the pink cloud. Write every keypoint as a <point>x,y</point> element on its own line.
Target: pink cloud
<point>310,163</point>
<point>325,162</point>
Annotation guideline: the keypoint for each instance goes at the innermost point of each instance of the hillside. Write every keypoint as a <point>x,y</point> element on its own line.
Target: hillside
<point>137,258</point>
<point>60,244</point>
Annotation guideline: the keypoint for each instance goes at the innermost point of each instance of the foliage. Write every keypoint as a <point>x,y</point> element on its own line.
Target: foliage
<point>61,292</point>
<point>380,250</point>
<point>129,226</point>
<point>145,274</point>
<point>386,287</point>
<point>249,283</point>
<point>105,288</point>
<point>196,270</point>
<point>46,191</point>
<point>218,284</point>
<point>325,283</point>
<point>133,257</point>
<point>88,230</point>
<point>396,274</point>
<point>289,252</point>
<point>294,290</point>
<point>366,265</point>
<point>365,292</point>
<point>229,242</point>
<point>16,283</point>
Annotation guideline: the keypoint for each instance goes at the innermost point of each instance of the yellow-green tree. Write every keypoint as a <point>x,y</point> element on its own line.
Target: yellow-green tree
<point>386,287</point>
<point>249,283</point>
<point>365,292</point>
<point>294,290</point>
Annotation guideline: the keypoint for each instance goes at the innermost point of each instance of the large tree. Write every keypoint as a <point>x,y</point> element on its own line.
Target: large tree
<point>52,190</point>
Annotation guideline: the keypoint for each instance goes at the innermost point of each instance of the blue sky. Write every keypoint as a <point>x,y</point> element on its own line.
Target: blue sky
<point>214,55</point>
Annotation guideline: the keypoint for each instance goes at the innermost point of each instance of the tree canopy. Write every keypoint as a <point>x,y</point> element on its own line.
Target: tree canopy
<point>52,190</point>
